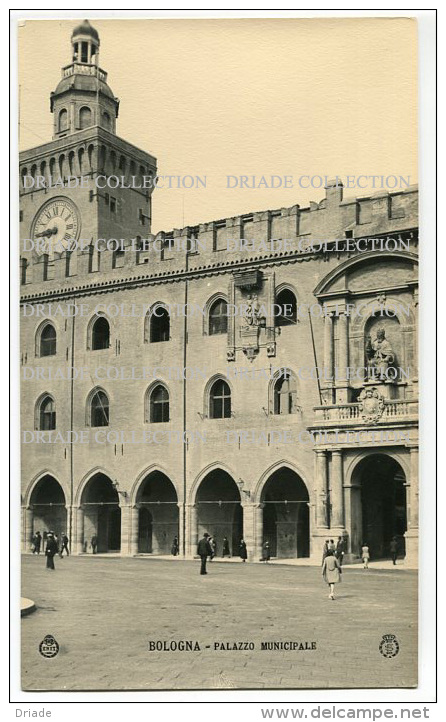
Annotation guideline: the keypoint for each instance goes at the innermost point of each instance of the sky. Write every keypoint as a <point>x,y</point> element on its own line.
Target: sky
<point>256,97</point>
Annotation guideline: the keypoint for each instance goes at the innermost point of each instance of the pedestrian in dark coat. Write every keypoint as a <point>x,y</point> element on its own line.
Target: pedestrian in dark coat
<point>266,556</point>
<point>94,543</point>
<point>226,551</point>
<point>64,545</point>
<point>340,550</point>
<point>204,551</point>
<point>394,549</point>
<point>325,550</point>
<point>243,550</point>
<point>331,572</point>
<point>38,542</point>
<point>50,551</point>
<point>175,547</point>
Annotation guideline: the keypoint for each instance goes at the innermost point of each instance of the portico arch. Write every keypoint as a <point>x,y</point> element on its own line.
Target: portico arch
<point>156,500</point>
<point>378,504</point>
<point>218,509</point>
<point>286,514</point>
<point>47,508</point>
<point>99,501</point>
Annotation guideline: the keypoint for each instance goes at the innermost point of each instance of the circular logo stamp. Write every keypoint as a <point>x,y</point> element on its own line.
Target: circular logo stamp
<point>48,647</point>
<point>389,646</point>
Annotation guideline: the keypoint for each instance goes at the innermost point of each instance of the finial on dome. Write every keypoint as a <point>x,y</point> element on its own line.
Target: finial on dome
<point>86,29</point>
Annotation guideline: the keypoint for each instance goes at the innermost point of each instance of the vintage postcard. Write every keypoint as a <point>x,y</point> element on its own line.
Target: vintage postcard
<point>219,353</point>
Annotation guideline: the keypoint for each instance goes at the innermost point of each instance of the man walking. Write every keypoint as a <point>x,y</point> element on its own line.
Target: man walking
<point>204,551</point>
<point>38,542</point>
<point>51,550</point>
<point>64,545</point>
<point>94,543</point>
<point>340,550</point>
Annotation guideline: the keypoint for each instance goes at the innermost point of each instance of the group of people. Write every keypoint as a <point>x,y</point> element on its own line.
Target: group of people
<point>53,545</point>
<point>207,548</point>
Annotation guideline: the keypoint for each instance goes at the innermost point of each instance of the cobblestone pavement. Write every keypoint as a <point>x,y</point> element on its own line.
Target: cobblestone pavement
<point>103,612</point>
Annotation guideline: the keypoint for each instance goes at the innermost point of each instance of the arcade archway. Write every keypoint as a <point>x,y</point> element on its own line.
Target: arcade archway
<point>219,511</point>
<point>286,518</point>
<point>48,505</point>
<point>158,514</point>
<point>102,514</point>
<point>378,505</point>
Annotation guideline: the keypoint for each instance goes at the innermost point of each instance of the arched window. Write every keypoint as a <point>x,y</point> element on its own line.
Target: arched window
<point>285,394</point>
<point>159,405</point>
<point>100,334</point>
<point>84,117</point>
<point>287,315</point>
<point>159,325</point>
<point>48,339</point>
<point>47,414</point>
<point>218,317</point>
<point>63,120</point>
<point>220,400</point>
<point>99,409</point>
<point>106,120</point>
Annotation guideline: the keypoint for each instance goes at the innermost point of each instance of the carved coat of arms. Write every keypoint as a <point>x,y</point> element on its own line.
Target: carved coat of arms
<point>371,405</point>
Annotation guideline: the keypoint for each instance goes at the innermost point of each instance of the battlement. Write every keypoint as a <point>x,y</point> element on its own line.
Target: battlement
<point>261,237</point>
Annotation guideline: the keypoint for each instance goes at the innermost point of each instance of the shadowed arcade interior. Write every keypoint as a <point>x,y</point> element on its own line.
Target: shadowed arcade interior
<point>286,518</point>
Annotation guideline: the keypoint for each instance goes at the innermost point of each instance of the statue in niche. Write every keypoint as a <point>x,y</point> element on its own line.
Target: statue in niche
<point>252,312</point>
<point>380,355</point>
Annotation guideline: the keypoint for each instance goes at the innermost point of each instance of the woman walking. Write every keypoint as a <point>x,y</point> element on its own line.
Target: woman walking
<point>331,572</point>
<point>365,553</point>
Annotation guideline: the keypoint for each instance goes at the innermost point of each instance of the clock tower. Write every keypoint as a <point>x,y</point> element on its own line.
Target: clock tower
<point>87,183</point>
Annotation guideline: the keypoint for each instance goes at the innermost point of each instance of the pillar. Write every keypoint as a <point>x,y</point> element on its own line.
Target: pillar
<point>342,361</point>
<point>249,530</point>
<point>411,534</point>
<point>321,489</point>
<point>328,350</point>
<point>191,510</point>
<point>182,543</point>
<point>336,491</point>
<point>258,527</point>
<point>134,529</point>
<point>125,529</point>
<point>79,530</point>
<point>29,523</point>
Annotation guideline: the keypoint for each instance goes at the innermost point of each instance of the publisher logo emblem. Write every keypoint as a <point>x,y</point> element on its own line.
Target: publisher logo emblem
<point>48,647</point>
<point>389,646</point>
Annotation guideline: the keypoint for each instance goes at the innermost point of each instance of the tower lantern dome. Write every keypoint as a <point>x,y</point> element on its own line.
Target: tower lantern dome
<point>83,97</point>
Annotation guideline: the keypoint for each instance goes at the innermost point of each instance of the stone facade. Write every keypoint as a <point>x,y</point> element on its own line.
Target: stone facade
<point>311,474</point>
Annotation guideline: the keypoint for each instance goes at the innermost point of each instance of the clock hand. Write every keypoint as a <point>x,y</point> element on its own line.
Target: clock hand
<point>49,232</point>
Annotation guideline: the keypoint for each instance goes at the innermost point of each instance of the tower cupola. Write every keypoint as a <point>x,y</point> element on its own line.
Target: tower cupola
<point>83,97</point>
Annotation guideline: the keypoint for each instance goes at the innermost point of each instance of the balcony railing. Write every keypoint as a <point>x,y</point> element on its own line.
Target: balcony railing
<point>82,69</point>
<point>393,410</point>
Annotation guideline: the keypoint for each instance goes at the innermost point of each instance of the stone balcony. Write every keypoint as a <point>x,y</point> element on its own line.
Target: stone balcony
<point>350,414</point>
<point>83,69</point>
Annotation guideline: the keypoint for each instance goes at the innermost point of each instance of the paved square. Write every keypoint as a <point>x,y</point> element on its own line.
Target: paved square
<point>103,612</point>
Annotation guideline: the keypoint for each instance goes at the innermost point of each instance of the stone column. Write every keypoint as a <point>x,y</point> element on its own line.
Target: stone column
<point>328,350</point>
<point>336,491</point>
<point>134,529</point>
<point>258,526</point>
<point>125,530</point>
<point>321,490</point>
<point>348,518</point>
<point>79,530</point>
<point>181,516</point>
<point>193,529</point>
<point>342,361</point>
<point>29,523</point>
<point>249,529</point>
<point>411,534</point>
<point>414,487</point>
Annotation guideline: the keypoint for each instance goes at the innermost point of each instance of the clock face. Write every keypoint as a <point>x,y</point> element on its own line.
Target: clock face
<point>55,225</point>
